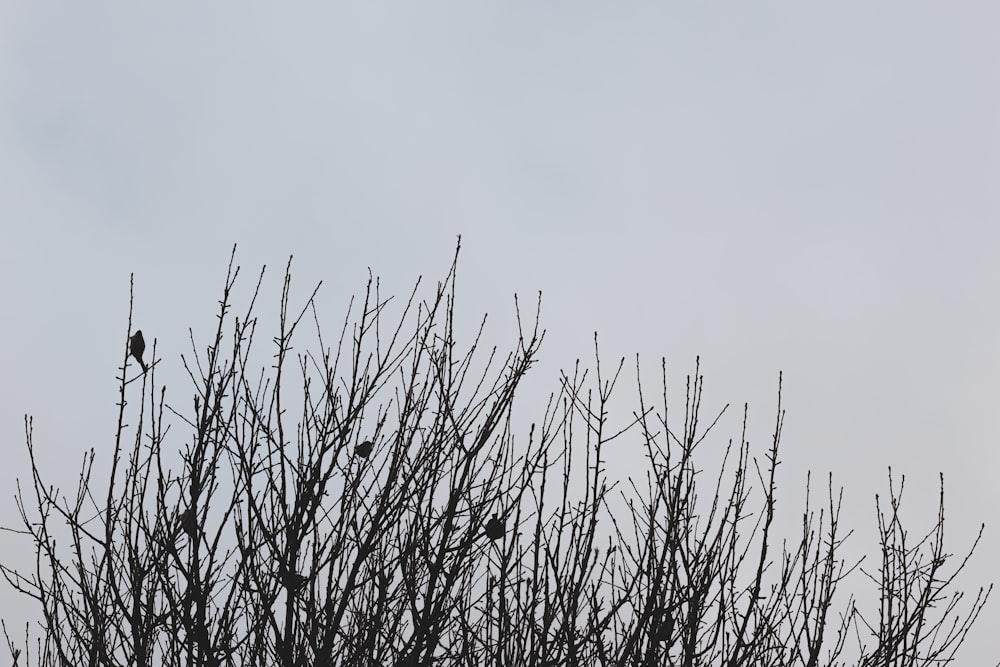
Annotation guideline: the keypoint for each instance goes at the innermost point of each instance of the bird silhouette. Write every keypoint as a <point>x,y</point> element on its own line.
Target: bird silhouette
<point>294,581</point>
<point>189,522</point>
<point>136,346</point>
<point>495,528</point>
<point>364,450</point>
<point>291,579</point>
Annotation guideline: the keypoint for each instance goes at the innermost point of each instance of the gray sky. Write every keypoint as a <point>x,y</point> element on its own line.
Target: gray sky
<point>771,185</point>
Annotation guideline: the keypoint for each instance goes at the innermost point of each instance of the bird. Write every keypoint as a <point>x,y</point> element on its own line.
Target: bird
<point>495,528</point>
<point>189,522</point>
<point>291,579</point>
<point>364,450</point>
<point>137,346</point>
<point>294,581</point>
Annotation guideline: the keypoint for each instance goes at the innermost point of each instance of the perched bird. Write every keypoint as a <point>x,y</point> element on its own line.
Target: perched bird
<point>364,450</point>
<point>495,528</point>
<point>189,522</point>
<point>136,346</point>
<point>294,581</point>
<point>291,579</point>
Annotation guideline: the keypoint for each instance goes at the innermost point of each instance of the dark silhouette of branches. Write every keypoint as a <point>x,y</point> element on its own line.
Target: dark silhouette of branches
<point>373,500</point>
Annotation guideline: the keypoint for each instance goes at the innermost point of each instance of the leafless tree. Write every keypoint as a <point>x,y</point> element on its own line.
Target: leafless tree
<point>376,502</point>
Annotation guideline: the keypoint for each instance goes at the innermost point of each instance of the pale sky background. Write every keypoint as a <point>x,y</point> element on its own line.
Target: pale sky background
<point>771,185</point>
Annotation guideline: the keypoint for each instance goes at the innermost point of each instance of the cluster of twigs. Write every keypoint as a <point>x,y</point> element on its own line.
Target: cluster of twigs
<point>376,504</point>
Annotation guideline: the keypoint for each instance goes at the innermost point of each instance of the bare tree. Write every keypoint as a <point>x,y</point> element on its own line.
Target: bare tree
<point>376,502</point>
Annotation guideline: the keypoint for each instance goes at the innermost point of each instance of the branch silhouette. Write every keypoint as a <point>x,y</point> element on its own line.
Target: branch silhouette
<point>378,501</point>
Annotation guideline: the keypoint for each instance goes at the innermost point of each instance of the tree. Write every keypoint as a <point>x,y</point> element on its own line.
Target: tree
<point>375,502</point>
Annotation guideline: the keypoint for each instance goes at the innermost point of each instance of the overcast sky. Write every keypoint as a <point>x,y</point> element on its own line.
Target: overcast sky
<point>770,185</point>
